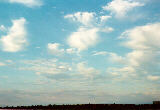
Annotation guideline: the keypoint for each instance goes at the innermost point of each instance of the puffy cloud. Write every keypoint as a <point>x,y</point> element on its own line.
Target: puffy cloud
<point>121,7</point>
<point>83,38</point>
<point>54,48</point>
<point>87,33</point>
<point>28,3</point>
<point>85,18</point>
<point>145,55</point>
<point>15,40</point>
<point>86,71</point>
<point>143,37</point>
<point>104,18</point>
<point>144,40</point>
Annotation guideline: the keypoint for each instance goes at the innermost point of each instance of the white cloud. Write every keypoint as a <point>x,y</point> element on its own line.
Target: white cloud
<point>87,33</point>
<point>85,18</point>
<point>100,53</point>
<point>28,3</point>
<point>86,71</point>
<point>2,28</point>
<point>46,66</point>
<point>144,41</point>
<point>153,78</point>
<point>143,37</point>
<point>54,48</point>
<point>15,40</point>
<point>83,38</point>
<point>71,50</point>
<point>106,29</point>
<point>145,55</point>
<point>54,67</point>
<point>121,7</point>
<point>104,18</point>
<point>116,58</point>
<point>124,72</point>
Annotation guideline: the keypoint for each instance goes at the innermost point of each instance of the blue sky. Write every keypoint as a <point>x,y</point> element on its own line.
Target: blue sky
<point>67,52</point>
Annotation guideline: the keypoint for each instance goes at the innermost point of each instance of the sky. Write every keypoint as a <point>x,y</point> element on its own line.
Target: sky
<point>79,51</point>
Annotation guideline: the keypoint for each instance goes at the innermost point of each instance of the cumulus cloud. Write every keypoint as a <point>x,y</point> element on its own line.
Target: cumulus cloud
<point>104,18</point>
<point>28,3</point>
<point>15,40</point>
<point>84,18</point>
<point>121,7</point>
<point>83,38</point>
<point>86,71</point>
<point>145,55</point>
<point>88,19</point>
<point>143,37</point>
<point>54,48</point>
<point>87,34</point>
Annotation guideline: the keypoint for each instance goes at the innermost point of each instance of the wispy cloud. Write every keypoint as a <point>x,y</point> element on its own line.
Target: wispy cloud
<point>28,3</point>
<point>58,70</point>
<point>44,66</point>
<point>100,53</point>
